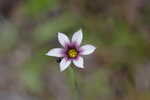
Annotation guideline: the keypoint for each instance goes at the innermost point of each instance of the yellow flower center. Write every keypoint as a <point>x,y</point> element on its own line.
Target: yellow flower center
<point>72,53</point>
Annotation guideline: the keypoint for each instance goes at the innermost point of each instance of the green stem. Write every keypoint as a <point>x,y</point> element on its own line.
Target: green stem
<point>75,85</point>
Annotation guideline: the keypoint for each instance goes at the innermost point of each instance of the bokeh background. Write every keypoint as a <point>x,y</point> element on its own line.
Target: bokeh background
<point>119,69</point>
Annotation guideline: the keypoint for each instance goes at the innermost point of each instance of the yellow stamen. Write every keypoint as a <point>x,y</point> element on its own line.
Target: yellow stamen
<point>72,53</point>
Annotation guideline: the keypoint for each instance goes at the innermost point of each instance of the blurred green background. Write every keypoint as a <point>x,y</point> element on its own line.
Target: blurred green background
<point>119,69</point>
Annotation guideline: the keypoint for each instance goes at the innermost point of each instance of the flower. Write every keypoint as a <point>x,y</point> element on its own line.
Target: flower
<point>71,51</point>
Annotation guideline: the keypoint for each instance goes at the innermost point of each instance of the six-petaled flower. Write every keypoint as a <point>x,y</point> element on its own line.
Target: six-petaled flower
<point>71,51</point>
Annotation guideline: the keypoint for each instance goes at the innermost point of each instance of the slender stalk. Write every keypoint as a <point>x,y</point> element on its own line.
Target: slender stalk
<point>75,84</point>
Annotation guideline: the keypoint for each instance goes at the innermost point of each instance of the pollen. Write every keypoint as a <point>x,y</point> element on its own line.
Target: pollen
<point>72,53</point>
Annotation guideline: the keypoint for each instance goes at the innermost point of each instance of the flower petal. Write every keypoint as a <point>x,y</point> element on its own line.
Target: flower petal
<point>56,52</point>
<point>64,64</point>
<point>63,39</point>
<point>77,37</point>
<point>87,49</point>
<point>78,62</point>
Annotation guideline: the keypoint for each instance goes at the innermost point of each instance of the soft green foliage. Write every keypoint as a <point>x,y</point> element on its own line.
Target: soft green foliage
<point>37,7</point>
<point>98,86</point>
<point>49,29</point>
<point>32,71</point>
<point>8,35</point>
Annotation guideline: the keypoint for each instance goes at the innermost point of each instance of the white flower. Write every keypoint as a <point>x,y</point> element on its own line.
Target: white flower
<point>71,51</point>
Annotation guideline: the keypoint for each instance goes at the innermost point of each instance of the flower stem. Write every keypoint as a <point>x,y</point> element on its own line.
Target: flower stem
<point>75,85</point>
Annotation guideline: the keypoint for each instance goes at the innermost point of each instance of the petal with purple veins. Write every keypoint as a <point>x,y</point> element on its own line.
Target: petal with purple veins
<point>79,62</point>
<point>63,39</point>
<point>87,49</point>
<point>56,52</point>
<point>64,64</point>
<point>77,37</point>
